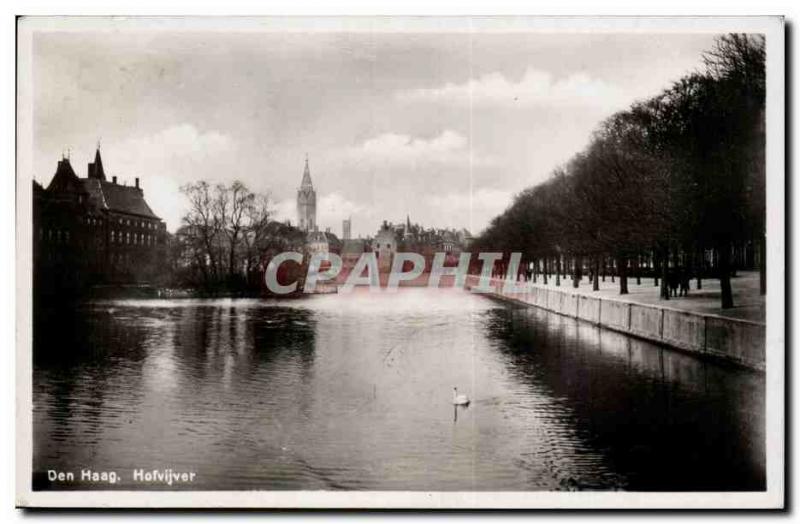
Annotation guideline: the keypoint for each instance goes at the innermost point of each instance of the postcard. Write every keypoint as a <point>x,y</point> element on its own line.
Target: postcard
<point>400,262</point>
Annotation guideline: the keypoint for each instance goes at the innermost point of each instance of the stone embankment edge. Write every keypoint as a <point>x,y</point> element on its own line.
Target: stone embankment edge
<point>730,340</point>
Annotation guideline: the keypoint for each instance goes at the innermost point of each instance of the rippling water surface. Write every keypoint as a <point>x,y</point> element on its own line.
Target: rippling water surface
<point>354,392</point>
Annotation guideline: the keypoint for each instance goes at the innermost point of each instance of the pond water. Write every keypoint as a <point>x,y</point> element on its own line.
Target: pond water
<point>355,392</point>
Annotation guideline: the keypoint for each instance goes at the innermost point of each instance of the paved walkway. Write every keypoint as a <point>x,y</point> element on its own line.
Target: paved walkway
<point>748,304</point>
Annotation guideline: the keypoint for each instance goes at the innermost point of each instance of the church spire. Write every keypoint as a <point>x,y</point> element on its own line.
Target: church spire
<point>306,183</point>
<point>307,202</point>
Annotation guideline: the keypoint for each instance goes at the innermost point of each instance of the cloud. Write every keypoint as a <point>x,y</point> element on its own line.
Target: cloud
<point>175,149</point>
<point>284,210</point>
<point>449,147</point>
<point>468,209</point>
<point>169,158</point>
<point>334,207</point>
<point>393,147</point>
<point>535,88</point>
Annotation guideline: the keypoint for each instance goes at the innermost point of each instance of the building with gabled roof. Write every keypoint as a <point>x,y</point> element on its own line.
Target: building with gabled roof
<point>94,231</point>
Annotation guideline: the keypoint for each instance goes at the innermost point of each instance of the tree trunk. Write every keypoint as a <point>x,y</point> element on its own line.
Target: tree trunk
<point>575,272</point>
<point>725,276</point>
<point>656,268</point>
<point>558,270</point>
<point>664,290</point>
<point>639,269</point>
<point>596,274</point>
<point>544,271</point>
<point>232,258</point>
<point>622,264</point>
<point>699,267</point>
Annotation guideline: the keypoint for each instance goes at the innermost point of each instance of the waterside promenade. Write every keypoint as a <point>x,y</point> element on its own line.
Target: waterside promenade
<point>748,303</point>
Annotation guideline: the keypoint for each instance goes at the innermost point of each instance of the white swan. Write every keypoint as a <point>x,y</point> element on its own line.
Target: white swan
<point>459,400</point>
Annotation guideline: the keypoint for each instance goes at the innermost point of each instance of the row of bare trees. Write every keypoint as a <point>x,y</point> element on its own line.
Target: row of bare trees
<point>674,183</point>
<point>226,238</point>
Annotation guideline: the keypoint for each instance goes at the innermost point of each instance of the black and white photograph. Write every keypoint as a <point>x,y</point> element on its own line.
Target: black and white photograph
<point>400,262</point>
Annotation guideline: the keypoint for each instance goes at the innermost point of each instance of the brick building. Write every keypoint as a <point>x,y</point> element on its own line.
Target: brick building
<point>89,231</point>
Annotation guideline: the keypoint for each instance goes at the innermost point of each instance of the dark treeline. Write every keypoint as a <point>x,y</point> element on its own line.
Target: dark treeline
<point>673,184</point>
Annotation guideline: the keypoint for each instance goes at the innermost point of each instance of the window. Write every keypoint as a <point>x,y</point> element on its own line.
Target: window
<point>128,237</point>
<point>113,236</point>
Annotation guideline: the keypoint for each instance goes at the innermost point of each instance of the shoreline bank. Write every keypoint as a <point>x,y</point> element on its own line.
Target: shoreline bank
<point>730,340</point>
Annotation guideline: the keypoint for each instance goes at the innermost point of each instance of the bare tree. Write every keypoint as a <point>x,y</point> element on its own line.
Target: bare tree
<point>202,228</point>
<point>232,204</point>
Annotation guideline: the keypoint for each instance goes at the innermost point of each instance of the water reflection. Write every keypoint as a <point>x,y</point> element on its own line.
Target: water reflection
<point>355,392</point>
<point>664,420</point>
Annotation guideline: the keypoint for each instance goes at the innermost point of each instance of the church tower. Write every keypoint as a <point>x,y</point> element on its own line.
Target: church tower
<point>306,203</point>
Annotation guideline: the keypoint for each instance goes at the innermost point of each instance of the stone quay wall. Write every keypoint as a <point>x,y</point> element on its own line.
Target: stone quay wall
<point>741,342</point>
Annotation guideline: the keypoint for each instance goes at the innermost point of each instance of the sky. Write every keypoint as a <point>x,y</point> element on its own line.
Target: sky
<point>442,127</point>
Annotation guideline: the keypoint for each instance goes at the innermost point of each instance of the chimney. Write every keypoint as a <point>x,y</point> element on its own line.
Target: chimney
<point>137,182</point>
<point>114,179</point>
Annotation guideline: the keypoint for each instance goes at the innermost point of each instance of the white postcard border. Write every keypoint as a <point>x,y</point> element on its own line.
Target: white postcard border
<point>771,26</point>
